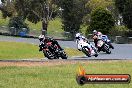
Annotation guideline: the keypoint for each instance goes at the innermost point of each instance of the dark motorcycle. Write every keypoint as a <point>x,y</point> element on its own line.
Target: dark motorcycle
<point>52,51</point>
<point>107,41</point>
<point>102,46</point>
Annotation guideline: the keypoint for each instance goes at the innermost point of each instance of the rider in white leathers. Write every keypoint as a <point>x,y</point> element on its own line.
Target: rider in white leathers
<point>81,39</point>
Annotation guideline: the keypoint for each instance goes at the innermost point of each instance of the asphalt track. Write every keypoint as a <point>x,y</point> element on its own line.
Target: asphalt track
<point>121,51</point>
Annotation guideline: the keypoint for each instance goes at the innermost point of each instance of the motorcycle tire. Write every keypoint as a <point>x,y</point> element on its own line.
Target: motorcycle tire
<point>86,52</point>
<point>111,46</point>
<point>47,54</point>
<point>108,52</point>
<point>107,49</point>
<point>63,55</point>
<point>96,55</point>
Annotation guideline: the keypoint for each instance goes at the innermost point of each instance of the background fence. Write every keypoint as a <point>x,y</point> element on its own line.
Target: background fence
<point>4,30</point>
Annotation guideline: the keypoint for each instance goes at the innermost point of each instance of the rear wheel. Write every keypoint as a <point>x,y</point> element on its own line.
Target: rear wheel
<point>63,55</point>
<point>96,55</point>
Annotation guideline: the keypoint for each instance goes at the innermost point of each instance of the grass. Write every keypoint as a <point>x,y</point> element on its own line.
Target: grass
<point>73,52</point>
<point>15,50</point>
<point>54,27</point>
<point>62,76</point>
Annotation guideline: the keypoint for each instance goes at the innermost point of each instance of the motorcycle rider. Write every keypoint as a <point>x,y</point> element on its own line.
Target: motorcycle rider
<point>45,40</point>
<point>80,37</point>
<point>96,36</point>
<point>107,41</point>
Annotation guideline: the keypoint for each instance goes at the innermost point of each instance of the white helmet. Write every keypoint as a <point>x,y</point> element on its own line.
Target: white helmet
<point>77,35</point>
<point>41,37</point>
<point>94,31</point>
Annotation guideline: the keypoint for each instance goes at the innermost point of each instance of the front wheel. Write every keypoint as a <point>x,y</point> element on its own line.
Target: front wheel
<point>86,51</point>
<point>111,46</point>
<point>107,49</point>
<point>63,55</point>
<point>48,54</point>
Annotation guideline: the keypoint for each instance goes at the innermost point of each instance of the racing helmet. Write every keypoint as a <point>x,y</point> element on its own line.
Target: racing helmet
<point>41,37</point>
<point>94,31</point>
<point>77,35</point>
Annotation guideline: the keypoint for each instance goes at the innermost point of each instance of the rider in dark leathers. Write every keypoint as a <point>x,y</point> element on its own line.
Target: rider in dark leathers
<point>96,36</point>
<point>45,40</point>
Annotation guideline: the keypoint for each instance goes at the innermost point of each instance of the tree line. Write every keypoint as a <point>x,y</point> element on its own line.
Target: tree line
<point>100,15</point>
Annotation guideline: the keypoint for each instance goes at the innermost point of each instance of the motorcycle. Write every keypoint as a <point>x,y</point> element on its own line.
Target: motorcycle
<point>107,41</point>
<point>102,46</point>
<point>52,52</point>
<point>87,48</point>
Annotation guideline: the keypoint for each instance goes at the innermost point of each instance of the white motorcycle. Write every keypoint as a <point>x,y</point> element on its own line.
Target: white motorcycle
<point>87,48</point>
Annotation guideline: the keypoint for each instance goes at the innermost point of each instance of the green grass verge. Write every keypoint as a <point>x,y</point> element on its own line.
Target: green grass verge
<point>62,76</point>
<point>15,50</point>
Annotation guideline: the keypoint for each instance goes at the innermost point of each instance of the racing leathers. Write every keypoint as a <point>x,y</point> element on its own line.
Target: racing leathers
<point>54,42</point>
<point>81,39</point>
<point>97,36</point>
